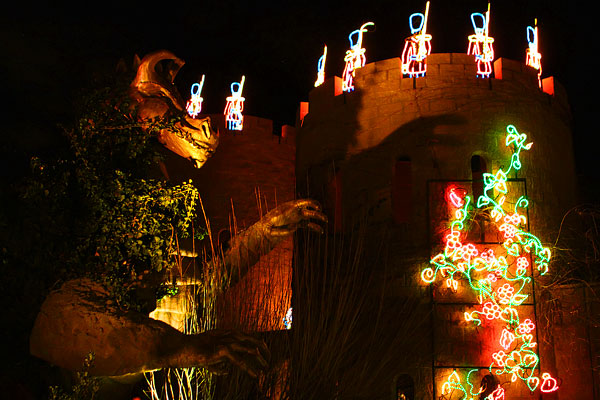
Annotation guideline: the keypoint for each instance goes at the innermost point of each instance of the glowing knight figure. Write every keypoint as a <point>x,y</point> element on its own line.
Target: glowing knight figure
<point>534,58</point>
<point>417,46</point>
<point>321,68</point>
<point>235,106</point>
<point>194,104</point>
<point>355,57</point>
<point>480,44</point>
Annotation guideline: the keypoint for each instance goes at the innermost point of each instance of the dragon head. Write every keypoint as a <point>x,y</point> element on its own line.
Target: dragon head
<point>154,95</point>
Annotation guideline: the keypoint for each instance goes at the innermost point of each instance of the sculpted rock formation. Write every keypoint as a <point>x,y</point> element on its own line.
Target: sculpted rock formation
<point>80,317</point>
<point>155,96</point>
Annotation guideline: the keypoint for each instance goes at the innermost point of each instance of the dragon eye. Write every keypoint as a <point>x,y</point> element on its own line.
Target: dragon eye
<point>206,131</point>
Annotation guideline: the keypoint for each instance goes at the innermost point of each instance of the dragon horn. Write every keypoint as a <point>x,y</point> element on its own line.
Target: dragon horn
<point>150,81</point>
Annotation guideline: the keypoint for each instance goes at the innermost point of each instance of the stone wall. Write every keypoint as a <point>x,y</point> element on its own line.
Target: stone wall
<point>570,337</point>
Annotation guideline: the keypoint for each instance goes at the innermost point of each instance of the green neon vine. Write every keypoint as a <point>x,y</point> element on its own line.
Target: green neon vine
<point>499,281</point>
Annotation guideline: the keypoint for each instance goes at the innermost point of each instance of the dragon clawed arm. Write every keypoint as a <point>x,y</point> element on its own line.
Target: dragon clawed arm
<point>248,246</point>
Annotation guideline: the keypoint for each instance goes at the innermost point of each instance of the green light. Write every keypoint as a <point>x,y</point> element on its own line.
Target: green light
<point>500,282</point>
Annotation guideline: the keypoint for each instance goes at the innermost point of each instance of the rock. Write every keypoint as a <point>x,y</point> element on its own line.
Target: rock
<point>80,318</point>
<point>77,320</point>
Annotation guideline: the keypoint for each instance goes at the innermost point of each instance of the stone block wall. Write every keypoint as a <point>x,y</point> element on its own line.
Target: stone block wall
<point>571,338</point>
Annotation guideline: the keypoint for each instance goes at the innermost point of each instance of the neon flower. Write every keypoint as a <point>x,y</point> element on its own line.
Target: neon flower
<point>500,358</point>
<point>355,57</point>
<point>455,196</point>
<point>522,264</point>
<point>491,310</point>
<point>526,326</point>
<point>235,106</point>
<point>194,104</point>
<point>515,219</point>
<point>480,44</point>
<point>507,339</point>
<point>533,57</point>
<point>499,290</point>
<point>549,384</point>
<point>417,46</point>
<point>509,230</point>
<point>321,68</point>
<point>453,383</point>
<point>497,394</point>
<point>453,386</point>
<point>505,293</point>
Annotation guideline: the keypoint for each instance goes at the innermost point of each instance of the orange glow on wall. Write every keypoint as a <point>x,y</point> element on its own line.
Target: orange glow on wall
<point>303,111</point>
<point>548,85</point>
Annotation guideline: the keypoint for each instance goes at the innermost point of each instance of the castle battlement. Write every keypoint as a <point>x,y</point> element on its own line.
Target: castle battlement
<point>455,73</point>
<point>439,122</point>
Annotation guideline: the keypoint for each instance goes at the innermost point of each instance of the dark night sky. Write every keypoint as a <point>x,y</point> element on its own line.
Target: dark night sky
<point>49,54</point>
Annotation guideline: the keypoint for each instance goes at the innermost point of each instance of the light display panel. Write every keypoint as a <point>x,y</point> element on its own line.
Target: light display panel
<point>501,282</point>
<point>481,44</point>
<point>355,57</point>
<point>321,68</point>
<point>235,105</point>
<point>417,46</point>
<point>194,104</point>
<point>533,57</point>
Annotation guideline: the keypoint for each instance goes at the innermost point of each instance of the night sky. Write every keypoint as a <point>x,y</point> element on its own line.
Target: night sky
<point>50,54</point>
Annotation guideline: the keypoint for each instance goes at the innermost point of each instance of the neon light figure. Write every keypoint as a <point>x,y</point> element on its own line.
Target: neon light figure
<point>355,57</point>
<point>534,59</point>
<point>321,67</point>
<point>480,44</point>
<point>235,106</point>
<point>417,46</point>
<point>194,104</point>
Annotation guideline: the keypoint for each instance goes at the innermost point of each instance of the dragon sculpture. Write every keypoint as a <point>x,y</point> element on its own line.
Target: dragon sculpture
<point>80,318</point>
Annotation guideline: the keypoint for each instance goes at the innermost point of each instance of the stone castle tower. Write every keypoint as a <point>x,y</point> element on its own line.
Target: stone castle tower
<point>386,153</point>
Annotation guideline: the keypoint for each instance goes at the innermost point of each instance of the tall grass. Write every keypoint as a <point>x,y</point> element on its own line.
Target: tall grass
<point>186,383</point>
<point>199,305</point>
<point>343,343</point>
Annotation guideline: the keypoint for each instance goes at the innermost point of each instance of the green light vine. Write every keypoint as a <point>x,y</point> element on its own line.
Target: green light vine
<point>499,281</point>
